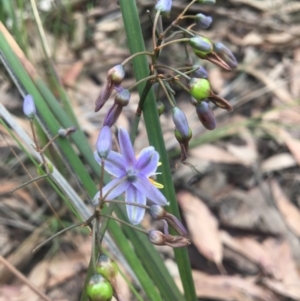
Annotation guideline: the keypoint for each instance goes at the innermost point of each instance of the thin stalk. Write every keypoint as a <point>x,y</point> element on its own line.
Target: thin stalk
<point>154,29</point>
<point>172,42</point>
<point>173,69</point>
<point>166,92</point>
<point>28,182</point>
<point>135,55</point>
<point>125,223</point>
<point>141,81</point>
<point>55,235</point>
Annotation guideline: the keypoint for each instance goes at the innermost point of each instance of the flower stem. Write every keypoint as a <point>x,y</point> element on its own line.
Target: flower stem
<point>173,69</point>
<point>28,182</point>
<point>166,92</point>
<point>154,29</point>
<point>172,42</point>
<point>141,81</point>
<point>55,235</point>
<point>182,86</point>
<point>125,223</point>
<point>135,55</point>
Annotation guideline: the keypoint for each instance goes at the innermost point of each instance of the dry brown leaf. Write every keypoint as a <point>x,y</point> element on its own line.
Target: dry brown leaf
<point>231,288</point>
<point>71,76</point>
<point>251,249</point>
<point>289,211</point>
<point>246,153</point>
<point>276,87</point>
<point>278,162</point>
<point>214,154</point>
<point>292,144</point>
<point>287,276</point>
<point>203,227</point>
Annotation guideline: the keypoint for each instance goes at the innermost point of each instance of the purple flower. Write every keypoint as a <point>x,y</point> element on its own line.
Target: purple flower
<point>29,106</point>
<point>164,6</point>
<point>132,177</point>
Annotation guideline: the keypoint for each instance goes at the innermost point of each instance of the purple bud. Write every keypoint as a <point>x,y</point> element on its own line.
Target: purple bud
<point>164,6</point>
<point>206,115</point>
<point>225,54</point>
<point>66,132</point>
<point>122,98</point>
<point>104,142</point>
<point>180,122</point>
<point>29,108</point>
<point>114,77</point>
<point>200,72</point>
<point>201,44</point>
<point>157,212</point>
<point>112,115</point>
<point>116,74</point>
<point>156,237</point>
<point>203,21</point>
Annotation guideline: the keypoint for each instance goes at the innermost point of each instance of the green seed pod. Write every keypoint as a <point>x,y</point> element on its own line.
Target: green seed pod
<point>199,88</point>
<point>183,139</point>
<point>107,267</point>
<point>99,289</point>
<point>160,107</point>
<point>201,44</point>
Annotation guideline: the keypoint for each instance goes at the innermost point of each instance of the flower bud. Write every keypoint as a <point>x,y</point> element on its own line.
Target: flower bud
<point>116,74</point>
<point>200,72</point>
<point>29,108</point>
<point>104,142</point>
<point>207,2</point>
<point>201,45</point>
<point>164,6</point>
<point>114,78</point>
<point>225,54</point>
<point>183,138</point>
<point>206,115</point>
<point>112,115</point>
<point>203,21</point>
<point>157,212</point>
<point>180,122</point>
<point>66,132</point>
<point>156,237</point>
<point>160,107</point>
<point>106,267</point>
<point>122,98</point>
<point>199,88</point>
<point>99,289</point>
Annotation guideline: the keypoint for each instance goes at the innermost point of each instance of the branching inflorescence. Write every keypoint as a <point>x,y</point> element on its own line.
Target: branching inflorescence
<point>135,176</point>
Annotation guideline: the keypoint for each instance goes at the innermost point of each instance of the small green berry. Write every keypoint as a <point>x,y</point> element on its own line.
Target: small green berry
<point>99,289</point>
<point>107,267</point>
<point>199,88</point>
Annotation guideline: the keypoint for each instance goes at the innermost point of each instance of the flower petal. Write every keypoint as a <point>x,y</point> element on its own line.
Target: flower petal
<point>121,186</point>
<point>147,161</point>
<point>126,147</point>
<point>135,213</point>
<point>114,164</point>
<point>143,185</point>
